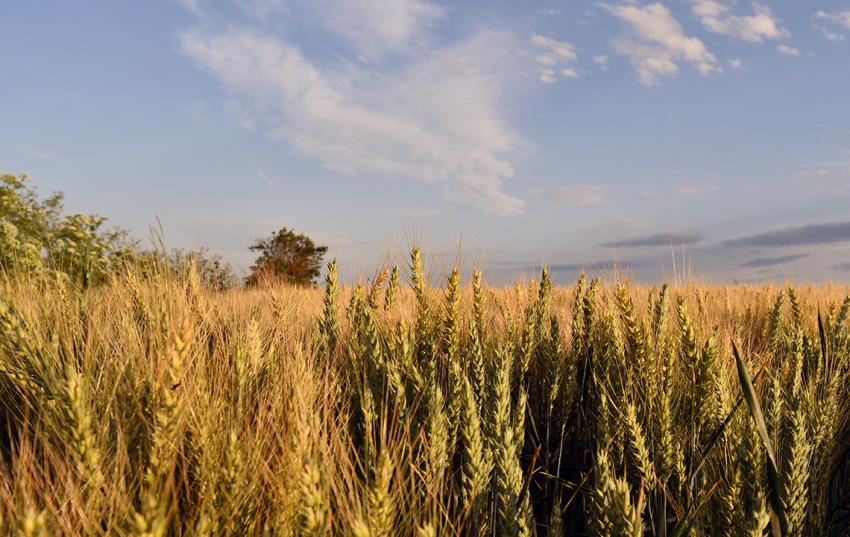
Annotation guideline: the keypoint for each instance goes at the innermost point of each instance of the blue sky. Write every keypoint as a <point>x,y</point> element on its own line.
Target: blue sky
<point>566,133</point>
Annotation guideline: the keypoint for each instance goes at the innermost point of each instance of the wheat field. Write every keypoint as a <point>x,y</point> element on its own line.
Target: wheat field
<point>422,406</point>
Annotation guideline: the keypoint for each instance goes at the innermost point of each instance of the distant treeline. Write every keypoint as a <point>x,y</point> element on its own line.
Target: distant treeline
<point>38,238</point>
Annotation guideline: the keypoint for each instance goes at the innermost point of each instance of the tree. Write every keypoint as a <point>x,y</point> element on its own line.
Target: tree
<point>35,237</point>
<point>287,256</point>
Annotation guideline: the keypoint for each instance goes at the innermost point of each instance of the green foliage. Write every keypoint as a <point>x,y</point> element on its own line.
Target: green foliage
<point>211,270</point>
<point>35,236</point>
<point>83,251</point>
<point>287,256</point>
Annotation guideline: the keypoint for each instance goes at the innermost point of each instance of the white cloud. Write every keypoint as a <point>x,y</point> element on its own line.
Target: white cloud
<point>195,6</point>
<point>601,60</point>
<point>683,189</point>
<point>830,178</point>
<point>581,195</point>
<point>735,63</point>
<point>838,18</point>
<point>694,188</point>
<point>554,54</point>
<point>827,171</point>
<point>371,27</point>
<point>659,43</point>
<point>437,119</point>
<point>841,18</point>
<point>787,51</point>
<point>375,26</point>
<point>718,18</point>
<point>262,9</point>
<point>560,50</point>
<point>830,35</point>
<point>547,76</point>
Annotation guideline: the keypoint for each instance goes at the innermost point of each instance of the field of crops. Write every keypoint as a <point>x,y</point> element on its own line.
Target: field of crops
<point>420,405</point>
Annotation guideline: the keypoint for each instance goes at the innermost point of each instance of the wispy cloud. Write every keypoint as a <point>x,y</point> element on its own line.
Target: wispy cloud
<point>265,178</point>
<point>408,212</point>
<point>373,27</point>
<point>796,236</point>
<point>87,102</point>
<point>656,239</point>
<point>602,266</point>
<point>226,234</point>
<point>841,267</point>
<point>437,117</point>
<point>554,58</point>
<point>830,35</point>
<point>658,42</point>
<point>601,60</point>
<point>195,6</point>
<point>832,181</point>
<point>550,11</point>
<point>718,18</point>
<point>835,129</point>
<point>831,23</point>
<point>786,50</point>
<point>771,261</point>
<point>841,170</point>
<point>38,154</point>
<point>841,18</point>
<point>580,195</point>
<point>590,266</point>
<point>686,188</point>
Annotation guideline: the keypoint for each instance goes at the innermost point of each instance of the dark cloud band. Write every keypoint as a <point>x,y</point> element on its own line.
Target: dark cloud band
<point>772,261</point>
<point>796,236</point>
<point>658,239</point>
<point>574,267</point>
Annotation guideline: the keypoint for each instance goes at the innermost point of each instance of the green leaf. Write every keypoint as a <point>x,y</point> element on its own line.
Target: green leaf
<point>685,526</point>
<point>761,425</point>
<point>824,350</point>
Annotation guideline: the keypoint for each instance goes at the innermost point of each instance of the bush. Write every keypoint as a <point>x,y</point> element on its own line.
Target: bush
<point>211,270</point>
<point>36,237</point>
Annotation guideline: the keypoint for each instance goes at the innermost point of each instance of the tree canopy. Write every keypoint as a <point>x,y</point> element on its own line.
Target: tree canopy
<point>35,236</point>
<point>287,256</point>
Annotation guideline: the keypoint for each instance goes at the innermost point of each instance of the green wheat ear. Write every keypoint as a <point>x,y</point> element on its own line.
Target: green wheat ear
<point>329,324</point>
<point>392,289</point>
<point>381,506</point>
